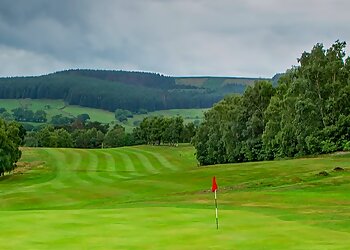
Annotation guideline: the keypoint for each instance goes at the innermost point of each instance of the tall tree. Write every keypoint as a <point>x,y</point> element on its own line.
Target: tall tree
<point>10,140</point>
<point>232,130</point>
<point>116,137</point>
<point>309,102</point>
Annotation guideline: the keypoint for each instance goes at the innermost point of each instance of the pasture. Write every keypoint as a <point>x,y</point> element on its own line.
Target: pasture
<point>149,197</point>
<point>58,107</point>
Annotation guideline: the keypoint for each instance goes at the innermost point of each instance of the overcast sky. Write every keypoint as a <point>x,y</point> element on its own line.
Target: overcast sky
<point>255,38</point>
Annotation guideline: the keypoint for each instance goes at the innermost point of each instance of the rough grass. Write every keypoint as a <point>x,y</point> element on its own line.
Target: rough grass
<point>157,198</point>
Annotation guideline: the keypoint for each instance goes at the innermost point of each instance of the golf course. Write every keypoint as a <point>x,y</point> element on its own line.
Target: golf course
<point>156,197</point>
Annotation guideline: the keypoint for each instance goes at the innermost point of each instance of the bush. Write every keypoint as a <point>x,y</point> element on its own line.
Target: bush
<point>328,146</point>
<point>313,144</point>
<point>346,146</point>
<point>122,118</point>
<point>122,114</point>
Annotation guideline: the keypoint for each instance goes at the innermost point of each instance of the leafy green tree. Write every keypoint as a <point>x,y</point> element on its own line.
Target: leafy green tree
<point>208,141</point>
<point>156,130</point>
<point>6,116</point>
<point>44,138</point>
<point>122,114</point>
<point>61,120</point>
<point>20,114</point>
<point>122,118</point>
<point>138,136</point>
<point>172,130</point>
<point>100,136</point>
<point>116,137</point>
<point>232,130</point>
<point>60,138</point>
<point>81,139</point>
<point>98,125</point>
<point>83,117</point>
<point>10,141</point>
<point>252,121</point>
<point>31,139</point>
<point>87,138</point>
<point>189,131</point>
<point>304,115</point>
<point>40,116</point>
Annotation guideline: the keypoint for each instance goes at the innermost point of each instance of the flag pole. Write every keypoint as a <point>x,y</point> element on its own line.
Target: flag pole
<point>214,187</point>
<point>216,211</point>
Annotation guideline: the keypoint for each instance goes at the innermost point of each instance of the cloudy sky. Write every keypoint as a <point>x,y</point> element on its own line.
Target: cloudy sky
<point>254,38</point>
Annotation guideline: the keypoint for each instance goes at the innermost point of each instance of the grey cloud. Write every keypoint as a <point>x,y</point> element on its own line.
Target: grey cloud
<point>176,37</point>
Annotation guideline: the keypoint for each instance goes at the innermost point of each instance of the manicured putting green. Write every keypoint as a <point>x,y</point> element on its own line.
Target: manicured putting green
<point>160,228</point>
<point>150,197</point>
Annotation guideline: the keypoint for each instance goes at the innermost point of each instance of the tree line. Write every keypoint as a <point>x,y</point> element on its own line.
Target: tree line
<point>86,134</point>
<point>159,130</point>
<point>308,113</point>
<point>23,115</point>
<point>82,133</point>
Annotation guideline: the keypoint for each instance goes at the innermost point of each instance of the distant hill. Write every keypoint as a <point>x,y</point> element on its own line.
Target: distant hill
<point>222,85</point>
<point>109,90</point>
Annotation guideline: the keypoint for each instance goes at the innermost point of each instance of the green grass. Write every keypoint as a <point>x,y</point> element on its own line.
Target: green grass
<point>59,107</point>
<point>215,83</point>
<point>189,115</point>
<point>95,114</point>
<point>149,197</point>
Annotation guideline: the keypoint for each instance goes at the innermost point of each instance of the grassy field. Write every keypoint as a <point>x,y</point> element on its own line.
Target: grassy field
<point>149,197</point>
<point>59,107</point>
<point>215,82</point>
<point>189,115</point>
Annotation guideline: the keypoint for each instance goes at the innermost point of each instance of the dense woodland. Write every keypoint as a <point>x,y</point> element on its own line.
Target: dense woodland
<point>308,113</point>
<point>111,90</point>
<point>85,134</point>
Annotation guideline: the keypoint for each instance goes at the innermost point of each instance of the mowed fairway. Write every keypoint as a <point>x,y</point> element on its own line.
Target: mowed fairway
<point>150,197</point>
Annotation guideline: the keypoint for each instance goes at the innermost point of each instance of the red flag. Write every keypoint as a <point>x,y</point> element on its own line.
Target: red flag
<point>214,186</point>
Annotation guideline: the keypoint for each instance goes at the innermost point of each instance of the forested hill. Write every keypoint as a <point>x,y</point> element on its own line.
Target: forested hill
<point>109,90</point>
<point>222,85</point>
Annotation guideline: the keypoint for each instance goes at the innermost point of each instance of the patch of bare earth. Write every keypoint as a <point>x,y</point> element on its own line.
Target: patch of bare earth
<point>23,167</point>
<point>341,153</point>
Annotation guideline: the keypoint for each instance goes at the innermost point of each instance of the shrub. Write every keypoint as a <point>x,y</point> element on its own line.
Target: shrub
<point>346,146</point>
<point>328,146</point>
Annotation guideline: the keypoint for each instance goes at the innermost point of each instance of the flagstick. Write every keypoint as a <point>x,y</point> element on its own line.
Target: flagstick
<point>216,212</point>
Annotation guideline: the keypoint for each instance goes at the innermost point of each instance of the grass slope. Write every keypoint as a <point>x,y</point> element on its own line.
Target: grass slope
<point>213,83</point>
<point>157,198</point>
<point>59,107</point>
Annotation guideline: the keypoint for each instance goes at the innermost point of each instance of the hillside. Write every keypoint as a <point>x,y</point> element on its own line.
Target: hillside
<point>149,197</point>
<point>221,85</point>
<point>58,107</point>
<point>109,90</point>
